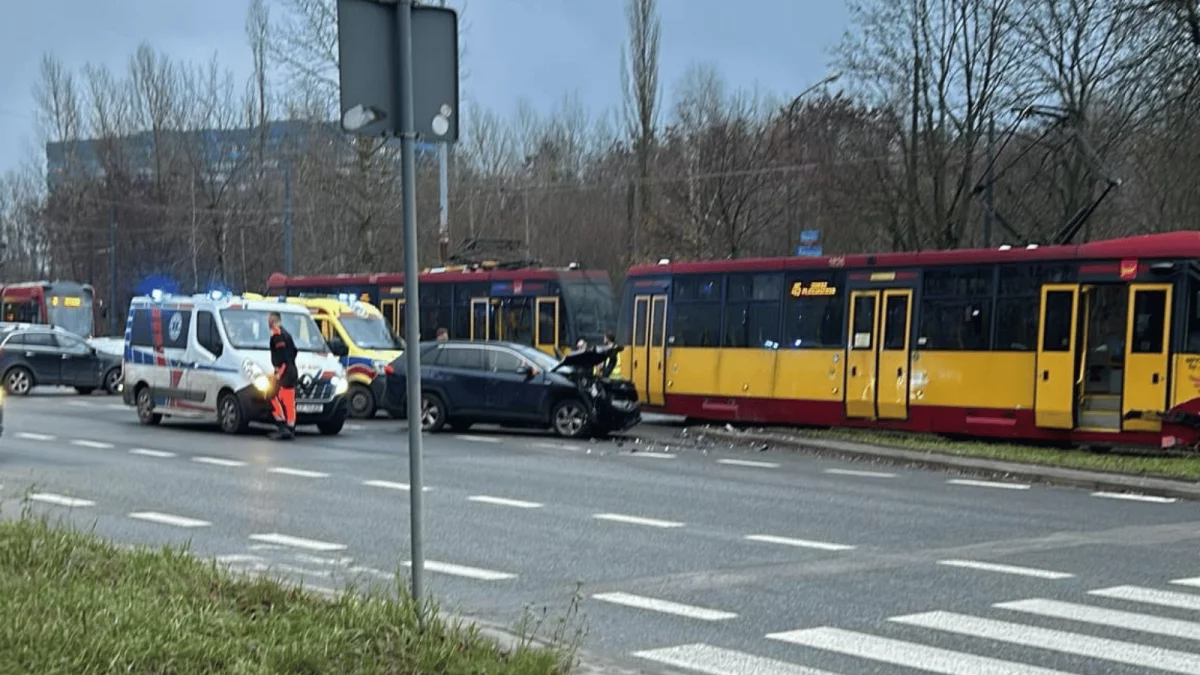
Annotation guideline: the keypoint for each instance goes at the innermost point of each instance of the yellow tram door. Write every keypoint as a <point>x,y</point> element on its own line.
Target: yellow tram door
<point>481,319</point>
<point>1147,356</point>
<point>546,338</point>
<point>639,351</point>
<point>656,361</point>
<point>862,355</point>
<point>894,349</point>
<point>388,309</point>
<point>1054,391</point>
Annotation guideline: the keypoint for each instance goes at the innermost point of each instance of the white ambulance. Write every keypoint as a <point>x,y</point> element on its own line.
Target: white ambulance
<point>208,357</point>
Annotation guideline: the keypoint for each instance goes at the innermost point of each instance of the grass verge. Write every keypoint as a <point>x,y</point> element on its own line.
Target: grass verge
<point>1123,461</point>
<point>74,603</point>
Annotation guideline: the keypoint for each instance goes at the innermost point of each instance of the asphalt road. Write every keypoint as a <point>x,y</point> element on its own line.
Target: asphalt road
<point>704,559</point>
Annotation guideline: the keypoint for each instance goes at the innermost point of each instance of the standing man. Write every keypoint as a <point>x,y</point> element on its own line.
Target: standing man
<point>283,357</point>
<point>611,367</point>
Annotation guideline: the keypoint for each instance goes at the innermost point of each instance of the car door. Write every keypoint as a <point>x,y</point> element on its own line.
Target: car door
<point>512,394</point>
<point>80,365</point>
<point>461,375</point>
<point>42,354</point>
<point>204,379</point>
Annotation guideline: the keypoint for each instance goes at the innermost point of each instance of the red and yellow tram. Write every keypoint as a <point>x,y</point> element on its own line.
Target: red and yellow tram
<point>1095,344</point>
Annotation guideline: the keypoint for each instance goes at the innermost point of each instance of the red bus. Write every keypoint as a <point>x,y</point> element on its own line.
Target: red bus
<point>540,307</point>
<point>1095,344</point>
<point>67,304</point>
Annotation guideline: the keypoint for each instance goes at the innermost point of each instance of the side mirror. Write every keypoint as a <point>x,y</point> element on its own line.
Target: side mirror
<point>338,347</point>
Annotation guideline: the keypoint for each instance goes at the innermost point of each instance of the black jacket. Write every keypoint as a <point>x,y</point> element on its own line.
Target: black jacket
<point>283,353</point>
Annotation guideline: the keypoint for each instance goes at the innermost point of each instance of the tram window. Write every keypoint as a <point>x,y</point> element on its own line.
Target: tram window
<point>658,317</point>
<point>1016,324</point>
<point>547,333</point>
<point>389,314</point>
<point>699,288</point>
<point>815,323</point>
<point>962,325</point>
<point>864,322</point>
<point>746,287</point>
<point>895,321</point>
<point>639,323</point>
<point>516,320</point>
<point>696,324</point>
<point>1193,327</point>
<point>949,283</point>
<point>752,324</point>
<point>1149,314</point>
<point>1056,335</point>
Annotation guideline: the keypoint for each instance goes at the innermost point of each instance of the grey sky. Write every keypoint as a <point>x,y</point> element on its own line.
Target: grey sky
<point>538,50</point>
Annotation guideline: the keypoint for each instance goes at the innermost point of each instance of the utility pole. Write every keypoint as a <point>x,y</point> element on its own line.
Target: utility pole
<point>112,270</point>
<point>443,196</point>
<point>989,198</point>
<point>287,218</point>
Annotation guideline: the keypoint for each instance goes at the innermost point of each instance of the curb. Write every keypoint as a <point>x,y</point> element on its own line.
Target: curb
<point>586,663</point>
<point>1096,480</point>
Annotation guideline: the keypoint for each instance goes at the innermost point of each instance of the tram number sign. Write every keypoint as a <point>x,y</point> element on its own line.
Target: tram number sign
<point>813,288</point>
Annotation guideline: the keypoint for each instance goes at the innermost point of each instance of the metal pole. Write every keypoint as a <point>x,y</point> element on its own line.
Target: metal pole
<point>112,271</point>
<point>412,295</point>
<point>287,219</point>
<point>443,196</point>
<point>989,198</point>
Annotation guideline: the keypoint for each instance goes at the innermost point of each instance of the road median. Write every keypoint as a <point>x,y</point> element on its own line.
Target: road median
<point>1150,475</point>
<point>75,603</point>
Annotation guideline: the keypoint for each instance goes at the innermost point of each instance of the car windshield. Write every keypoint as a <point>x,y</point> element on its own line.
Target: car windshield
<point>248,329</point>
<point>540,359</point>
<point>368,332</point>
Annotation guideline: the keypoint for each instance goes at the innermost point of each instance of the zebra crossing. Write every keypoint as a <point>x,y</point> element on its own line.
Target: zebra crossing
<point>1010,638</point>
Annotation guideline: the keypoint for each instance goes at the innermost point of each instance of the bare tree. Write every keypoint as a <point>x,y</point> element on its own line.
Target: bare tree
<point>639,80</point>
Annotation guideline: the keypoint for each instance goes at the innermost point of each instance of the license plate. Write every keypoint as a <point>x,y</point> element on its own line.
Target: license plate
<point>309,408</point>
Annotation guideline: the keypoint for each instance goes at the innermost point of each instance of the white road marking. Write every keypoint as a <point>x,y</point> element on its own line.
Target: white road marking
<point>392,486</point>
<point>1100,616</point>
<point>863,474</point>
<point>907,654</point>
<point>145,452</point>
<point>799,543</point>
<point>60,500</point>
<point>1150,596</point>
<point>92,444</point>
<point>1194,581</point>
<point>355,427</point>
<point>558,446</point>
<point>500,501</point>
<point>1005,569</point>
<point>297,542</point>
<point>712,660</point>
<point>322,590</point>
<point>217,461</point>
<point>664,606</point>
<point>231,558</point>
<point>168,519</point>
<point>302,473</point>
<point>464,571</point>
<point>635,520</point>
<point>478,439</point>
<point>1056,640</point>
<point>318,560</point>
<point>118,406</point>
<point>80,404</point>
<point>372,571</point>
<point>34,437</point>
<point>750,463</point>
<point>1132,497</point>
<point>651,455</point>
<point>988,484</point>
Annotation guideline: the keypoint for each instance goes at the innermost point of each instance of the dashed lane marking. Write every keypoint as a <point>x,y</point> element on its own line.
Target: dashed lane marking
<point>861,474</point>
<point>651,455</point>
<point>1006,569</point>
<point>988,484</point>
<point>1133,497</point>
<point>464,571</point>
<point>749,463</point>
<point>799,543</point>
<point>558,446</point>
<point>297,542</point>
<point>664,606</point>
<point>60,500</point>
<point>25,435</point>
<point>478,439</point>
<point>168,519</point>
<point>500,501</point>
<point>389,485</point>
<point>217,461</point>
<point>92,444</point>
<point>636,520</point>
<point>146,452</point>
<point>301,473</point>
<point>80,404</point>
<point>710,660</point>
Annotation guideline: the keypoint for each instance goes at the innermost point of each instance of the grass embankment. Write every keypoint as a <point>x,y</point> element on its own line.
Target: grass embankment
<point>1125,461</point>
<point>73,603</point>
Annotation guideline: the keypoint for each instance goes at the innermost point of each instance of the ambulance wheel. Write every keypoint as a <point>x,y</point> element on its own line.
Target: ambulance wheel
<point>362,402</point>
<point>332,427</point>
<point>145,407</point>
<point>231,416</point>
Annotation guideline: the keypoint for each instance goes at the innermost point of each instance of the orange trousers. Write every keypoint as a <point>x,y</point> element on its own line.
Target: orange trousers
<point>284,403</point>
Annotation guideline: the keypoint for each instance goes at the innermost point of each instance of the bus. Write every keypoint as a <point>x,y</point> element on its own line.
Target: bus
<point>67,304</point>
<point>549,309</point>
<point>1094,344</point>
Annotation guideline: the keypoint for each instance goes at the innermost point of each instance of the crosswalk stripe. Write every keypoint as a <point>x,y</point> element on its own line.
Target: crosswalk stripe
<point>712,660</point>
<point>1100,616</point>
<point>1005,569</point>
<point>1194,581</point>
<point>907,654</point>
<point>664,606</point>
<point>1057,640</point>
<point>1150,596</point>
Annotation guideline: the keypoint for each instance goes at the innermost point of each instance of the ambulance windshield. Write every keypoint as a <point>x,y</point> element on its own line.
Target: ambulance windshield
<point>248,329</point>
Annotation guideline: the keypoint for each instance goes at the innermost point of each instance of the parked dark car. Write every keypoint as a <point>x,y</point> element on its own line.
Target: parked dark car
<point>34,355</point>
<point>512,385</point>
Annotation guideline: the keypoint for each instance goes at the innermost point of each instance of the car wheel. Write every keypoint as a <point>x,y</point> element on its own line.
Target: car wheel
<point>331,427</point>
<point>18,381</point>
<point>362,402</point>
<point>85,391</point>
<point>230,415</point>
<point>570,419</point>
<point>112,381</point>
<point>433,413</point>
<point>145,408</point>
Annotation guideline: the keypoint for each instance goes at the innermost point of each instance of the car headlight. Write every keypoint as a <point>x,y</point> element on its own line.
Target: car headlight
<point>340,385</point>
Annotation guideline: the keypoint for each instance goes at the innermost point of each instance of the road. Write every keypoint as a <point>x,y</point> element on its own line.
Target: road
<point>702,558</point>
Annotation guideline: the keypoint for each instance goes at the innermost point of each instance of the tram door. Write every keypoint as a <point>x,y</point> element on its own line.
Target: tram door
<point>513,320</point>
<point>1058,338</point>
<point>649,362</point>
<point>1147,356</point>
<point>482,327</point>
<point>877,361</point>
<point>548,319</point>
